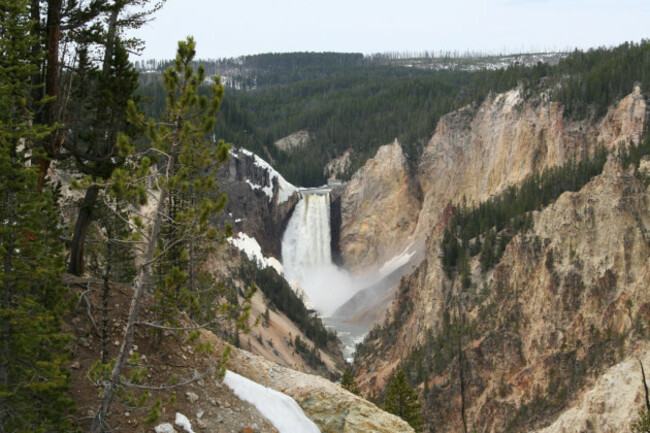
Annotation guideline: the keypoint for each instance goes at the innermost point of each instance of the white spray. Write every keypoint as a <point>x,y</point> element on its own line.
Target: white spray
<point>307,257</point>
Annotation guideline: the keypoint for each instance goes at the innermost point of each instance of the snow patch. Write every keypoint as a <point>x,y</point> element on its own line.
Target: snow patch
<point>253,251</point>
<point>285,189</point>
<point>280,409</point>
<point>267,190</point>
<point>165,428</point>
<point>183,422</point>
<point>396,262</point>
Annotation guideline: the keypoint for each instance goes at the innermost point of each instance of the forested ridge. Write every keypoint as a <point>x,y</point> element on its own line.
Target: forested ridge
<point>348,101</point>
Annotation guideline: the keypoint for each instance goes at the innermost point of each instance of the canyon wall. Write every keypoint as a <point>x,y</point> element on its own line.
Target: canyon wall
<point>260,201</point>
<point>379,209</point>
<point>568,300</point>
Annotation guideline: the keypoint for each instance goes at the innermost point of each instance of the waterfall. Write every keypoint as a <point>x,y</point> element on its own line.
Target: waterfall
<point>307,255</point>
<point>306,242</point>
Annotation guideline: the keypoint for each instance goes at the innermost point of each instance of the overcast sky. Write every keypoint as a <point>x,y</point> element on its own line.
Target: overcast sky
<point>238,27</point>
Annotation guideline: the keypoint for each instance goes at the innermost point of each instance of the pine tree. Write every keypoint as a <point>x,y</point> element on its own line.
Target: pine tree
<point>97,116</point>
<point>75,22</point>
<point>33,380</point>
<point>193,198</point>
<point>185,159</point>
<point>348,382</point>
<point>402,400</point>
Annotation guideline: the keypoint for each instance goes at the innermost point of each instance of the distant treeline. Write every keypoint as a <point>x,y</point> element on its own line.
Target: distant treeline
<point>348,101</point>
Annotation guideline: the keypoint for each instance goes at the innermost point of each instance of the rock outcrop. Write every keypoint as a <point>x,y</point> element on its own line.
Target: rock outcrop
<point>260,201</point>
<point>567,301</point>
<point>332,408</point>
<point>338,166</point>
<point>294,141</point>
<point>608,406</point>
<point>479,151</point>
<point>379,209</point>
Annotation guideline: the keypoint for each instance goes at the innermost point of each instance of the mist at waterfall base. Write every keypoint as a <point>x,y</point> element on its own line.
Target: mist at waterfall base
<point>307,256</point>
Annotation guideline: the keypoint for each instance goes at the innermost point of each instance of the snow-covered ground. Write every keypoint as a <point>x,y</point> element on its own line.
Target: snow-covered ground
<point>183,422</point>
<point>280,409</point>
<point>461,63</point>
<point>253,251</point>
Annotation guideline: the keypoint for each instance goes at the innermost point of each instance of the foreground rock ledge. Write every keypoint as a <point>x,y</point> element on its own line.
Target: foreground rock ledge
<point>332,408</point>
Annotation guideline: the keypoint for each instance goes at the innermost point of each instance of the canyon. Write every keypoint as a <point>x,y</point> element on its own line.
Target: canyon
<point>529,321</point>
<point>546,340</point>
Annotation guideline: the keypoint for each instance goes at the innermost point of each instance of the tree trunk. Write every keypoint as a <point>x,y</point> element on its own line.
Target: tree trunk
<point>52,142</point>
<point>84,219</point>
<point>7,295</point>
<point>37,78</point>
<point>85,216</point>
<point>139,286</point>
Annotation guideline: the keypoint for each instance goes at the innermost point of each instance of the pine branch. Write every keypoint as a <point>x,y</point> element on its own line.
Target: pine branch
<point>186,328</point>
<point>167,387</point>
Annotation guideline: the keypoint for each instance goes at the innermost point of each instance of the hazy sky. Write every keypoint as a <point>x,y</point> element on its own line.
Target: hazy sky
<point>237,27</point>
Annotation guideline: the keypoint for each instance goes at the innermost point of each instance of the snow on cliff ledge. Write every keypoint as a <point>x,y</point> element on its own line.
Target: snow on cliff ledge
<point>280,409</point>
<point>253,251</point>
<point>285,189</point>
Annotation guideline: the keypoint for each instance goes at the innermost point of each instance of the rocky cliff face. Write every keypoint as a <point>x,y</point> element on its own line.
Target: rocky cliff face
<point>260,201</point>
<point>338,166</point>
<point>568,299</point>
<point>379,209</point>
<point>294,141</point>
<point>474,153</point>
<point>479,151</point>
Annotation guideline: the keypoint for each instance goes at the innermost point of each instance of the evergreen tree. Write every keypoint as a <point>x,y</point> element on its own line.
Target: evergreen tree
<point>185,160</point>
<point>97,116</point>
<point>75,22</point>
<point>193,199</point>
<point>98,107</point>
<point>33,380</point>
<point>348,382</point>
<point>402,400</point>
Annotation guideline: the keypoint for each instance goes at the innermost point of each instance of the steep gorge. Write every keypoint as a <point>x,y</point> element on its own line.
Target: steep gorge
<point>535,333</point>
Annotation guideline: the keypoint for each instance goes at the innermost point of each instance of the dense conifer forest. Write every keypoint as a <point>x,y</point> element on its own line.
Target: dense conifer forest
<point>348,101</point>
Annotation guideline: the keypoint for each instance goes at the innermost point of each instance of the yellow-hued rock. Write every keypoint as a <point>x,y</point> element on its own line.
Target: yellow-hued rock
<point>379,209</point>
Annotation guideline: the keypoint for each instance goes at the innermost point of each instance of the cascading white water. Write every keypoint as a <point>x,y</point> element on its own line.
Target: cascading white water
<point>307,257</point>
<point>306,241</point>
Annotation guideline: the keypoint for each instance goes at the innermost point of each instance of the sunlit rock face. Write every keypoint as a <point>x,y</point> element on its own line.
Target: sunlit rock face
<point>479,151</point>
<point>545,329</point>
<point>379,210</point>
<point>331,407</point>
